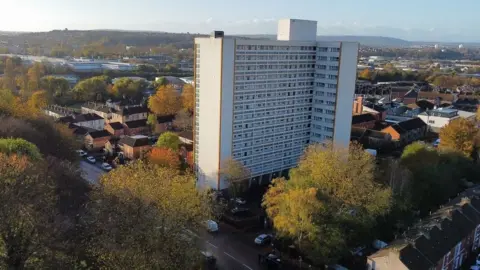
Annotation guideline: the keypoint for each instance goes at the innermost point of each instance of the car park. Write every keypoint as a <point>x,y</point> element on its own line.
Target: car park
<point>239,201</point>
<point>106,166</point>
<point>263,239</point>
<point>91,159</point>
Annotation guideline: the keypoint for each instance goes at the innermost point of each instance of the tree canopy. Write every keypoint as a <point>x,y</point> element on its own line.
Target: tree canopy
<point>188,98</point>
<point>138,209</point>
<point>166,101</point>
<point>89,89</point>
<point>330,202</point>
<point>459,135</point>
<point>169,140</point>
<point>165,157</point>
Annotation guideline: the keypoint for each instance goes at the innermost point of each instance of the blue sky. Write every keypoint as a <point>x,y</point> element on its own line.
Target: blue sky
<point>429,20</point>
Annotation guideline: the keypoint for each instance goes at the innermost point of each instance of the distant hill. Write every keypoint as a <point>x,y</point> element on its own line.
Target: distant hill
<point>372,41</point>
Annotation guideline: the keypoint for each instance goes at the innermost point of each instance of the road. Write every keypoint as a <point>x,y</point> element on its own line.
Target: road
<point>234,250</point>
<point>91,172</point>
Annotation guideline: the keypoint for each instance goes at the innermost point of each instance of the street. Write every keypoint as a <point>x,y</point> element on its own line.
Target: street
<point>233,250</point>
<point>91,172</point>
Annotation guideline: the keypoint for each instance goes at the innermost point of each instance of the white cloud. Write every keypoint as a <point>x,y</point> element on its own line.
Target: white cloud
<point>209,20</point>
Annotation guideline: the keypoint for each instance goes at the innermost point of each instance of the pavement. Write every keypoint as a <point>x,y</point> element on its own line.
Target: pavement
<point>91,172</point>
<point>233,249</point>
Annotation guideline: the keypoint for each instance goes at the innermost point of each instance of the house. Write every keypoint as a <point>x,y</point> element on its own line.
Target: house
<point>96,140</point>
<point>441,241</point>
<point>57,111</point>
<point>186,137</point>
<point>164,123</point>
<point>410,97</point>
<point>134,147</point>
<point>438,118</point>
<point>115,128</point>
<point>370,138</point>
<point>380,112</point>
<point>366,120</point>
<point>87,120</point>
<point>129,113</point>
<point>408,131</point>
<point>97,108</point>
<point>137,127</point>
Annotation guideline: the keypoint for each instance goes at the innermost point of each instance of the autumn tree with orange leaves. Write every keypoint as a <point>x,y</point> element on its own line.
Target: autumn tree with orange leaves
<point>165,157</point>
<point>166,101</point>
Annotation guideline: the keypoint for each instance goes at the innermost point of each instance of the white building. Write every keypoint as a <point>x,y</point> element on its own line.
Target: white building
<point>438,118</point>
<point>262,101</point>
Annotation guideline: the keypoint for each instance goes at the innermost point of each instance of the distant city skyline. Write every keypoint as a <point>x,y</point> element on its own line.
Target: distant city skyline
<point>427,20</point>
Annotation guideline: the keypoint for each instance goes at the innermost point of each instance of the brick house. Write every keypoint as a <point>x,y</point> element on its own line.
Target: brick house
<point>134,147</point>
<point>408,131</point>
<point>365,120</point>
<point>164,123</point>
<point>128,114</point>
<point>115,128</point>
<point>137,127</point>
<point>441,241</point>
<point>96,140</point>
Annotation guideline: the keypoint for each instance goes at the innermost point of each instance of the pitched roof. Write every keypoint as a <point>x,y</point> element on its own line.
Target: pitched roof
<point>116,125</point>
<point>414,123</point>
<point>165,118</point>
<point>375,107</point>
<point>86,117</point>
<point>186,134</point>
<point>80,131</point>
<point>423,246</point>
<point>135,141</point>
<point>413,93</point>
<point>132,110</point>
<point>99,134</point>
<point>398,129</point>
<point>136,123</point>
<point>362,118</point>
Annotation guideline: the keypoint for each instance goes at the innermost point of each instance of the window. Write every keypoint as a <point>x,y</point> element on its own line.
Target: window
<point>322,58</point>
<point>431,121</point>
<point>333,67</point>
<point>334,49</point>
<point>334,59</point>
<point>322,49</point>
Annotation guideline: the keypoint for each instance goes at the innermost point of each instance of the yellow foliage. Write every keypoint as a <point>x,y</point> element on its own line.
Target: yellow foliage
<point>459,135</point>
<point>166,101</point>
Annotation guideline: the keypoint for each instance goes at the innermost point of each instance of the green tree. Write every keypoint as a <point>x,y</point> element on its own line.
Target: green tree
<point>128,87</point>
<point>55,86</point>
<point>459,135</point>
<point>152,121</point>
<point>331,201</point>
<point>89,89</point>
<point>236,175</point>
<point>140,208</point>
<point>169,140</point>
<point>38,100</point>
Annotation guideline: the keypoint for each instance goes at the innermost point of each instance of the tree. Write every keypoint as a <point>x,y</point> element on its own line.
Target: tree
<point>27,212</point>
<point>55,86</point>
<point>128,87</point>
<point>169,140</point>
<point>235,174</point>
<point>166,101</point>
<point>162,81</point>
<point>88,89</point>
<point>330,202</point>
<point>183,120</point>
<point>459,135</point>
<point>188,98</point>
<point>477,116</point>
<point>152,121</point>
<point>38,100</point>
<point>35,73</point>
<point>9,77</point>
<point>366,74</point>
<point>165,157</point>
<point>140,216</point>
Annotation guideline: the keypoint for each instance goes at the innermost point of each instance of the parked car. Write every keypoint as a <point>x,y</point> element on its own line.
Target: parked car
<point>91,159</point>
<point>208,260</point>
<point>81,153</point>
<point>239,201</point>
<point>106,166</point>
<point>436,143</point>
<point>270,261</point>
<point>212,226</point>
<point>263,239</point>
<point>478,259</point>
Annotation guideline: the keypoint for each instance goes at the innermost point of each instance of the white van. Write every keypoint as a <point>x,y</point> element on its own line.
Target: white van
<point>212,226</point>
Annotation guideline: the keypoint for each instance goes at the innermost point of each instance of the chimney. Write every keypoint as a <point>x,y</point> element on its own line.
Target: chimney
<point>358,105</point>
